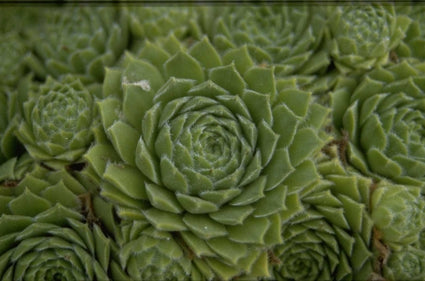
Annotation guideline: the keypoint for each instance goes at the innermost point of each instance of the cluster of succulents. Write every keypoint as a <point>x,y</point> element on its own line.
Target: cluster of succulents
<point>251,142</point>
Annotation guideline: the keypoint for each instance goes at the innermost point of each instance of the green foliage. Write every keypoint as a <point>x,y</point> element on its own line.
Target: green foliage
<point>261,142</point>
<point>398,212</point>
<point>77,40</point>
<point>54,245</point>
<point>204,159</point>
<point>57,120</point>
<point>362,36</point>
<point>383,116</point>
<point>287,37</point>
<point>407,264</point>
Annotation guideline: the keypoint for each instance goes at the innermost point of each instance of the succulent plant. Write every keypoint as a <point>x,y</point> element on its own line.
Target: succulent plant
<point>205,146</point>
<point>77,40</point>
<point>53,245</point>
<point>411,46</point>
<point>151,23</point>
<point>285,36</point>
<point>362,36</point>
<point>382,116</point>
<point>57,121</point>
<point>327,235</point>
<point>398,213</point>
<point>154,255</point>
<point>12,52</point>
<point>267,142</point>
<point>40,189</point>
<point>407,264</point>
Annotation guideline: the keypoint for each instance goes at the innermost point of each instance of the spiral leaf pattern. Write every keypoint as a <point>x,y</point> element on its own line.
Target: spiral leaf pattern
<point>54,245</point>
<point>406,264</point>
<point>77,40</point>
<point>328,232</point>
<point>57,121</point>
<point>287,37</point>
<point>383,119</point>
<point>410,47</point>
<point>199,157</point>
<point>148,23</point>
<point>12,52</point>
<point>398,212</point>
<point>362,36</point>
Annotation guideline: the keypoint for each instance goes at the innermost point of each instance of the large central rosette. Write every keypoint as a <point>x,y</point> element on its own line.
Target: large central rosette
<point>205,148</point>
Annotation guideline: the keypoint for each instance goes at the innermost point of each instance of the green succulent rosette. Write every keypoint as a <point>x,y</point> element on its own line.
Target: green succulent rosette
<point>58,121</point>
<point>155,256</point>
<point>13,44</point>
<point>288,37</point>
<point>406,264</point>
<point>148,254</point>
<point>53,245</point>
<point>153,22</point>
<point>382,116</point>
<point>362,36</point>
<point>205,146</point>
<point>327,230</point>
<point>12,64</point>
<point>35,189</point>
<point>411,46</point>
<point>398,213</point>
<point>77,40</point>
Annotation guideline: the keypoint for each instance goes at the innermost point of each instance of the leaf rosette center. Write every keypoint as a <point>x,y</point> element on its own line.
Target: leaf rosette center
<point>204,142</point>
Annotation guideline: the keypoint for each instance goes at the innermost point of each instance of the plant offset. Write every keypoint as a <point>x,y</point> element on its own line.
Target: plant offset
<point>249,142</point>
